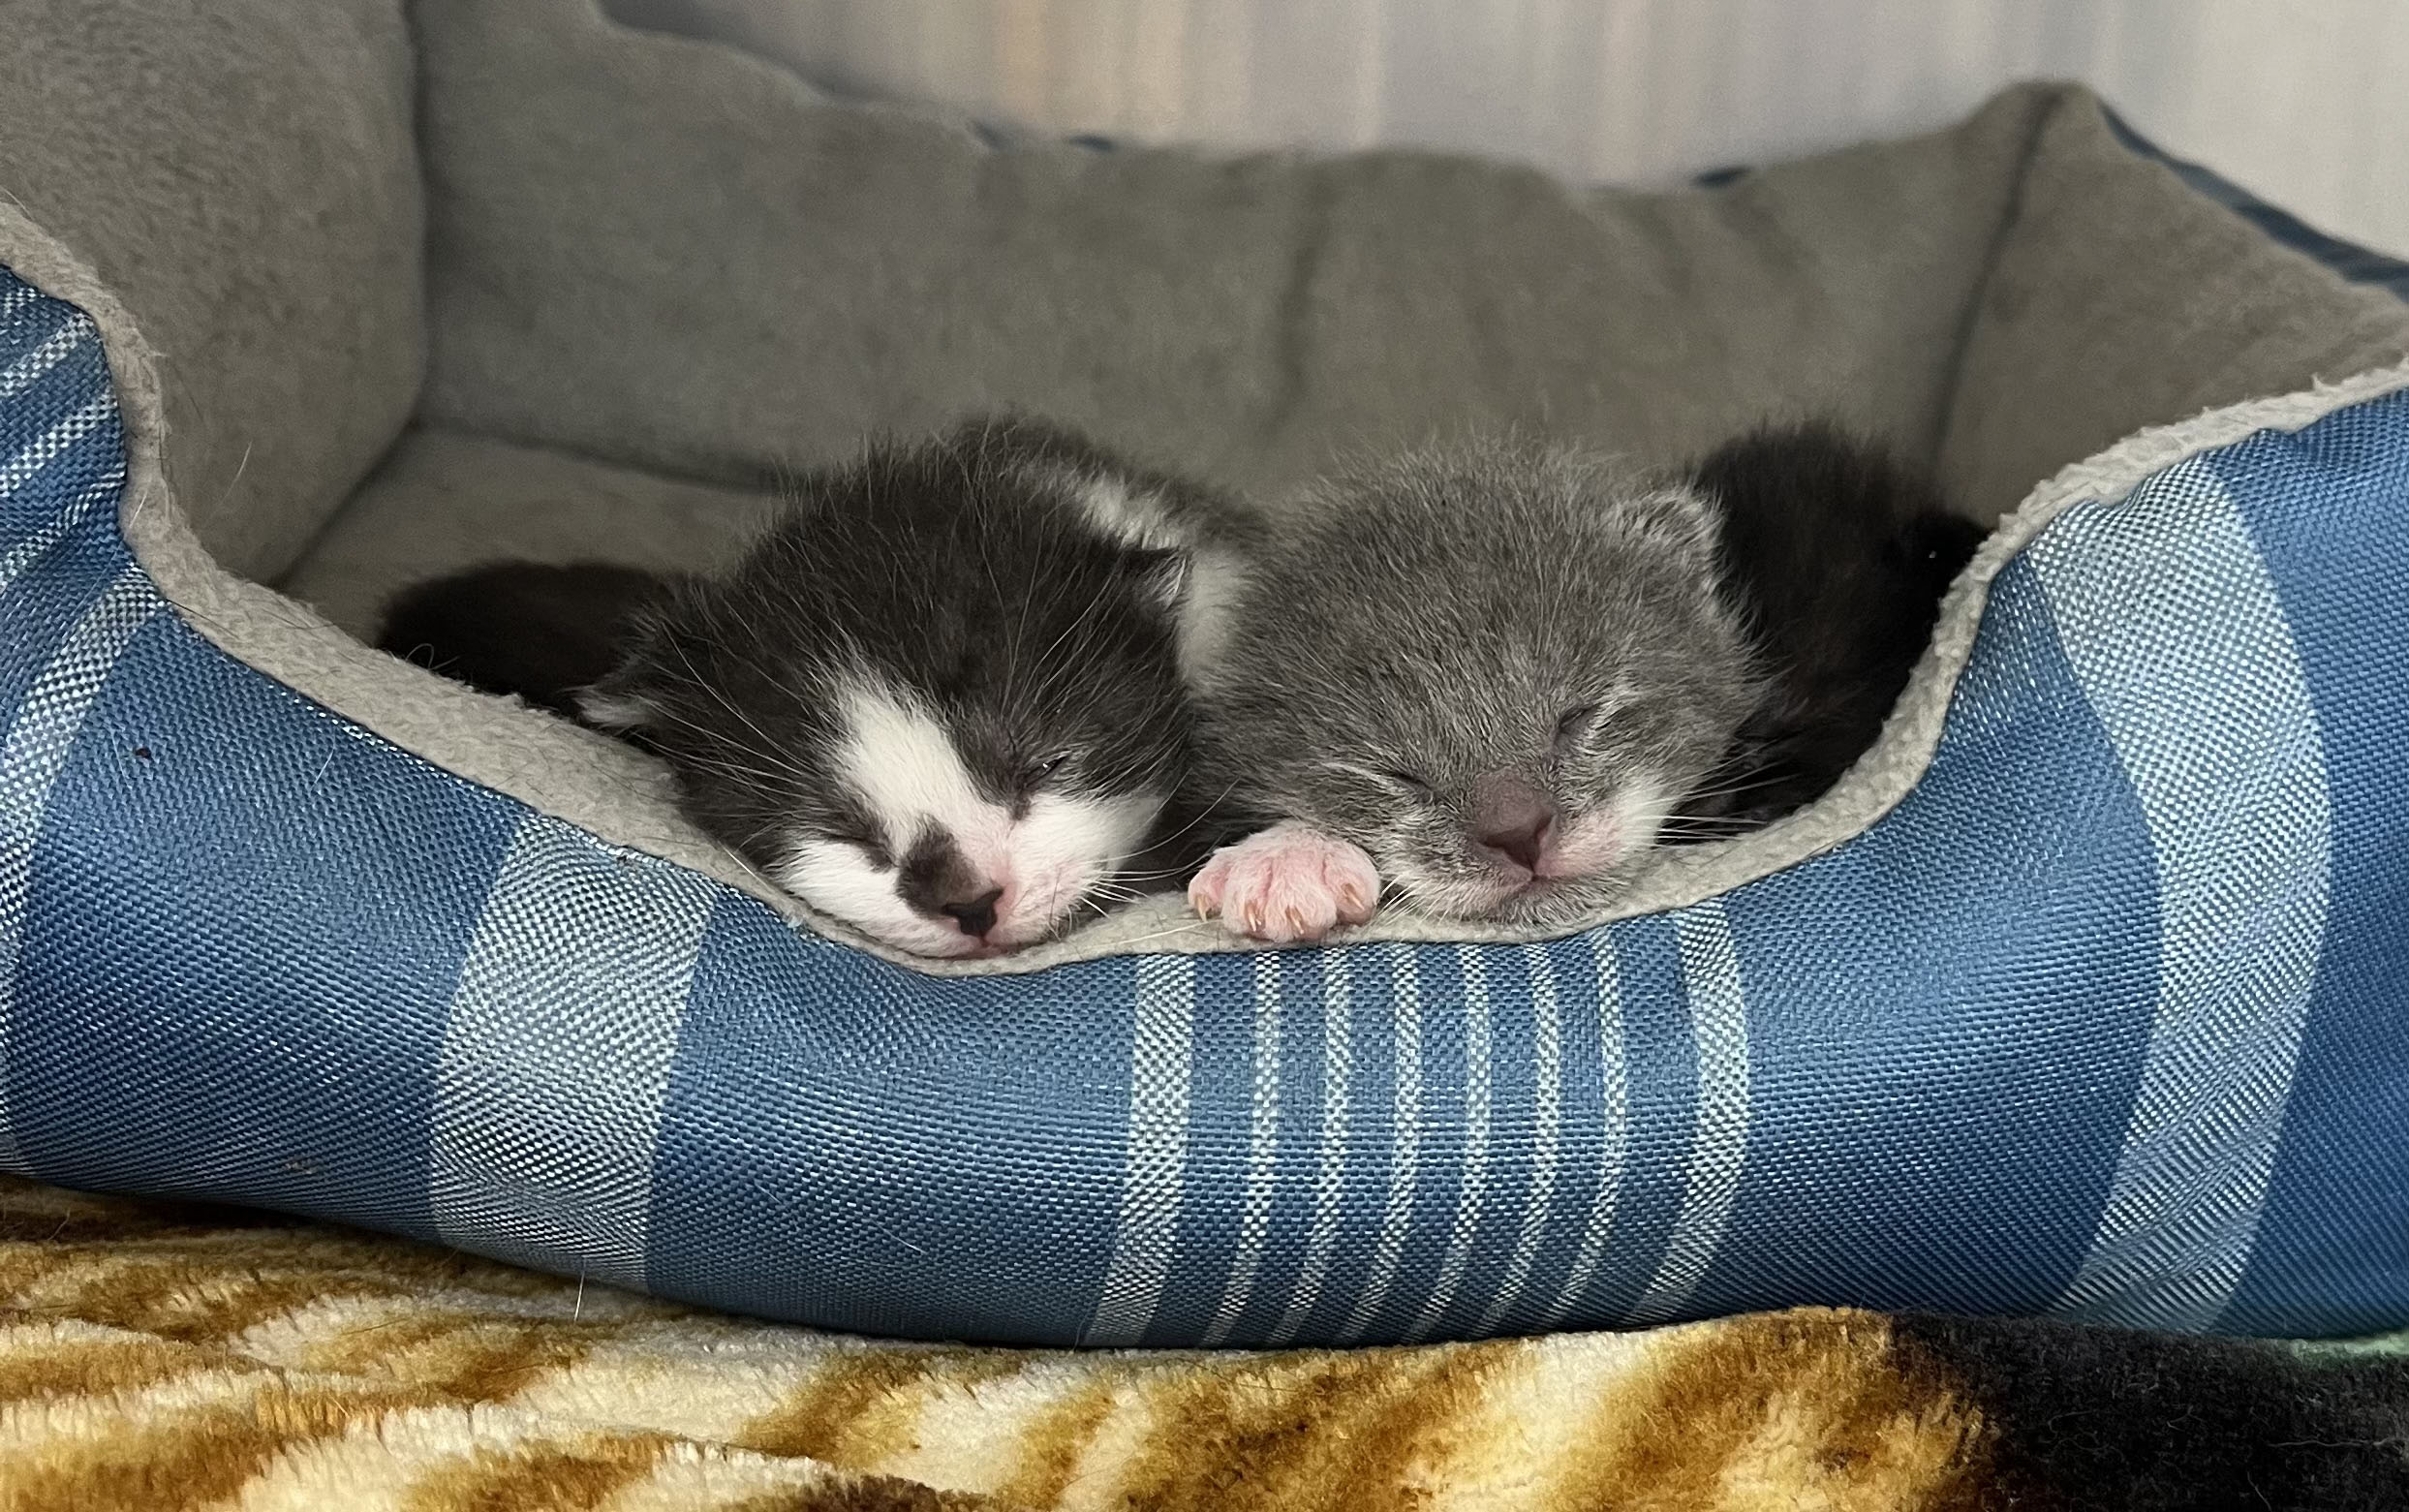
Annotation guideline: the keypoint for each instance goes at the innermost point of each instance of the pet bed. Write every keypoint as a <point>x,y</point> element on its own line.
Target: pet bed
<point>2074,997</point>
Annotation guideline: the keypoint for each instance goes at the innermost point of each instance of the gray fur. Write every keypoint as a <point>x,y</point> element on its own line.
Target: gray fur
<point>1436,618</point>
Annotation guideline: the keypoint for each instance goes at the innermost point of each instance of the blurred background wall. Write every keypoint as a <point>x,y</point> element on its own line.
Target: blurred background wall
<point>2305,102</point>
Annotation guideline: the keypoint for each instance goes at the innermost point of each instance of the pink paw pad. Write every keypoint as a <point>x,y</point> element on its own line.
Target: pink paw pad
<point>1288,883</point>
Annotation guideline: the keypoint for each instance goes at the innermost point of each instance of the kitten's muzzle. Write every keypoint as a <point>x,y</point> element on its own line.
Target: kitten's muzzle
<point>1512,825</point>
<point>939,882</point>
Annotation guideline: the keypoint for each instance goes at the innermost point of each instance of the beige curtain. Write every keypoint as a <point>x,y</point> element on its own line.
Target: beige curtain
<point>2304,101</point>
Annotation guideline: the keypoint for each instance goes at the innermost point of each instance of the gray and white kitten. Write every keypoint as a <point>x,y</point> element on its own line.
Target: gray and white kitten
<point>1483,678</point>
<point>938,698</point>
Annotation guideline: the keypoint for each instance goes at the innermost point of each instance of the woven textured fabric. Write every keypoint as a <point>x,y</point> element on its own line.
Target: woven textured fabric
<point>2099,1021</point>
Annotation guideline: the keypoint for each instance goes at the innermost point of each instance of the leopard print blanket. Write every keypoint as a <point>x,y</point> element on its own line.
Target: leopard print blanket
<point>157,1356</point>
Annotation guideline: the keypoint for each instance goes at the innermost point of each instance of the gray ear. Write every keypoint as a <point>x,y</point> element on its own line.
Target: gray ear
<point>1683,517</point>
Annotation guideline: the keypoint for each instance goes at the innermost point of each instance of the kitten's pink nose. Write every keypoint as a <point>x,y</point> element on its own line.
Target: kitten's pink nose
<point>1514,822</point>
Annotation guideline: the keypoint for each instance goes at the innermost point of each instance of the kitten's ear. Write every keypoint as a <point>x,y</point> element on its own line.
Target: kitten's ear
<point>1685,516</point>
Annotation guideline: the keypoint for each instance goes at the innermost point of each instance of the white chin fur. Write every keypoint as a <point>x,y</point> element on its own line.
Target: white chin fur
<point>1607,838</point>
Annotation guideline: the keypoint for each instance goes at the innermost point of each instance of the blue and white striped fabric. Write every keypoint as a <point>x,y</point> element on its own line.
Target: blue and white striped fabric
<point>2106,1019</point>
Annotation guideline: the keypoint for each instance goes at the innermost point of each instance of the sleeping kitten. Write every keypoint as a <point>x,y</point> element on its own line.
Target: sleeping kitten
<point>1490,681</point>
<point>939,699</point>
<point>1483,677</point>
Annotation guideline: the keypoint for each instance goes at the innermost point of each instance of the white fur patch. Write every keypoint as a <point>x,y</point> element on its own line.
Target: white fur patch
<point>1208,611</point>
<point>1129,515</point>
<point>1061,847</point>
<point>840,880</point>
<point>621,712</point>
<point>904,766</point>
<point>1641,808</point>
<point>1607,837</point>
<point>899,759</point>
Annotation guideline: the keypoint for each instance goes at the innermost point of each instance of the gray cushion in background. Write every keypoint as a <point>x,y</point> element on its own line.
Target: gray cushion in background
<point>670,255</point>
<point>666,254</point>
<point>242,173</point>
<point>2121,297</point>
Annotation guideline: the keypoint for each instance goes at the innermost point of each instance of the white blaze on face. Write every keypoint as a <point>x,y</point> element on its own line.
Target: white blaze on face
<point>899,759</point>
<point>904,766</point>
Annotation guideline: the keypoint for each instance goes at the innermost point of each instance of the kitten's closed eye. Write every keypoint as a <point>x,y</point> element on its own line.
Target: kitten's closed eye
<point>1575,723</point>
<point>1394,779</point>
<point>1046,767</point>
<point>867,843</point>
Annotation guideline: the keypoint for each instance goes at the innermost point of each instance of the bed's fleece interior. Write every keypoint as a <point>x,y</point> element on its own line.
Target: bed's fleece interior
<point>655,269</point>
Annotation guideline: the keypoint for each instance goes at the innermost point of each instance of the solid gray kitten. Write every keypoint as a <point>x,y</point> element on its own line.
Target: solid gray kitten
<point>1484,677</point>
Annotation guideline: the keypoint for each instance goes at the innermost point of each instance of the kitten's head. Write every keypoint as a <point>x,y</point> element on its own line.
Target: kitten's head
<point>936,703</point>
<point>1496,670</point>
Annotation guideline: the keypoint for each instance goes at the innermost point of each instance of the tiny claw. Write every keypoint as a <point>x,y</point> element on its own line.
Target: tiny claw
<point>1304,879</point>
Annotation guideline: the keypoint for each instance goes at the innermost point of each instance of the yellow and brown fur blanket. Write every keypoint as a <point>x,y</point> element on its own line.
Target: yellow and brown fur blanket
<point>157,1356</point>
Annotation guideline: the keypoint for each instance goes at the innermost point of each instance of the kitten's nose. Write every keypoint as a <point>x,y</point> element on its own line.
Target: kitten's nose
<point>1514,822</point>
<point>977,915</point>
<point>1522,845</point>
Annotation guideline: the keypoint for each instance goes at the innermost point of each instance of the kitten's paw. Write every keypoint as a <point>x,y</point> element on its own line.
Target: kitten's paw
<point>1292,882</point>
